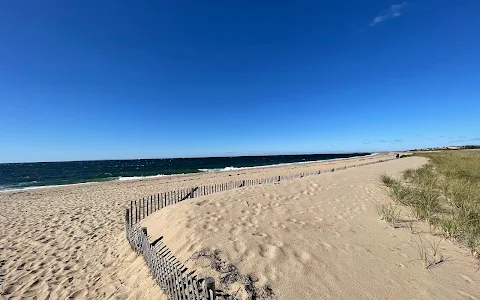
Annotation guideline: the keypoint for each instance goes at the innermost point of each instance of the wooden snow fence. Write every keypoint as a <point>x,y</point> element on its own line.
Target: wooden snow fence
<point>171,275</point>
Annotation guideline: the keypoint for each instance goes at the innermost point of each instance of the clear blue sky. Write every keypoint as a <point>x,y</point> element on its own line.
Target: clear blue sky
<point>135,79</point>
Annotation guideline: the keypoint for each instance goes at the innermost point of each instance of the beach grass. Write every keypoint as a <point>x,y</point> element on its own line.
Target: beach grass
<point>390,213</point>
<point>428,252</point>
<point>445,192</point>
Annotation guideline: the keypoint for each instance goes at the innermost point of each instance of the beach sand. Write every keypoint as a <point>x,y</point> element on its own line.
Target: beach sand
<point>318,237</point>
<point>68,242</point>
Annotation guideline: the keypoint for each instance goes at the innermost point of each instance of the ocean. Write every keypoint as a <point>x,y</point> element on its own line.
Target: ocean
<point>27,175</point>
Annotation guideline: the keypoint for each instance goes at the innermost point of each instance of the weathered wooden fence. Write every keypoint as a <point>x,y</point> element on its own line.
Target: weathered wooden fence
<point>139,209</point>
<point>169,273</point>
<point>175,280</point>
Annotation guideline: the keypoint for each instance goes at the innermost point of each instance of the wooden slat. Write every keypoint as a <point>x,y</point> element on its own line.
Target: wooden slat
<point>195,288</point>
<point>190,295</point>
<point>145,201</point>
<point>154,205</point>
<point>147,206</point>
<point>181,290</point>
<point>136,212</point>
<point>131,212</point>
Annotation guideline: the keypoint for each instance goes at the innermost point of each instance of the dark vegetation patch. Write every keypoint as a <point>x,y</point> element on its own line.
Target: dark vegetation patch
<point>230,275</point>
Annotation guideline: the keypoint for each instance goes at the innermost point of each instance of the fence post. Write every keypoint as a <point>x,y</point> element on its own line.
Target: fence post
<point>154,204</point>
<point>151,203</point>
<point>131,212</point>
<point>209,287</point>
<point>136,209</point>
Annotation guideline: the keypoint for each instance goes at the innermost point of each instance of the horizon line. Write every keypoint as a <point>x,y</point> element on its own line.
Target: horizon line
<point>113,159</point>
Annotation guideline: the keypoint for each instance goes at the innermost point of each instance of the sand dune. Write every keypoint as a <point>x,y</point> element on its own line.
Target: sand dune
<point>68,241</point>
<point>313,238</point>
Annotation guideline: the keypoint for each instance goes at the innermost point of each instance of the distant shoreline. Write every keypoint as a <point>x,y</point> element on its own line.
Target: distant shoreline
<point>200,171</point>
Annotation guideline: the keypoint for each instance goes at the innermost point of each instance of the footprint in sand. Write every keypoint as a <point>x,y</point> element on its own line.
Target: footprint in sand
<point>467,295</point>
<point>401,265</point>
<point>327,246</point>
<point>467,279</point>
<point>239,246</point>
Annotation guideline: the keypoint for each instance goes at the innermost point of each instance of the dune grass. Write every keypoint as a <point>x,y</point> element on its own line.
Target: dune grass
<point>389,213</point>
<point>445,193</point>
<point>428,252</point>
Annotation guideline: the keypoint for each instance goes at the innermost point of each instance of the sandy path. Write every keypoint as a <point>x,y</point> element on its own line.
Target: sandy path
<point>68,242</point>
<point>316,238</point>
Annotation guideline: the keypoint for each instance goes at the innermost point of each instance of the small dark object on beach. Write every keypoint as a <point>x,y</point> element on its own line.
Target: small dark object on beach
<point>397,156</point>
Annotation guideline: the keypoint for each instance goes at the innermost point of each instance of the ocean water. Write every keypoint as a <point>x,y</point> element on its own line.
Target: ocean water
<point>27,175</point>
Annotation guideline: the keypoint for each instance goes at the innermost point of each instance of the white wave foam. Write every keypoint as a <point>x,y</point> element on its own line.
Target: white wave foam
<point>7,189</point>
<point>284,164</point>
<point>141,177</point>
<point>43,186</point>
<point>224,169</point>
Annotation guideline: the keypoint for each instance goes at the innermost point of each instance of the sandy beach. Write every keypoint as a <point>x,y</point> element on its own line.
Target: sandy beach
<point>317,237</point>
<point>313,238</point>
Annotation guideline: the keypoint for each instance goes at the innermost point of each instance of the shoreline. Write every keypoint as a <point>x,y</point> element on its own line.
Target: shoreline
<point>201,171</point>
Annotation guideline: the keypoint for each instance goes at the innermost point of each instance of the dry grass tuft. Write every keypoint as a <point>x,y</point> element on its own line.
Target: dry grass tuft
<point>389,213</point>
<point>428,252</point>
<point>445,193</point>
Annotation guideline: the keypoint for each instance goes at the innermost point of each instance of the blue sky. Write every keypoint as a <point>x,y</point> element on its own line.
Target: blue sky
<point>122,79</point>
